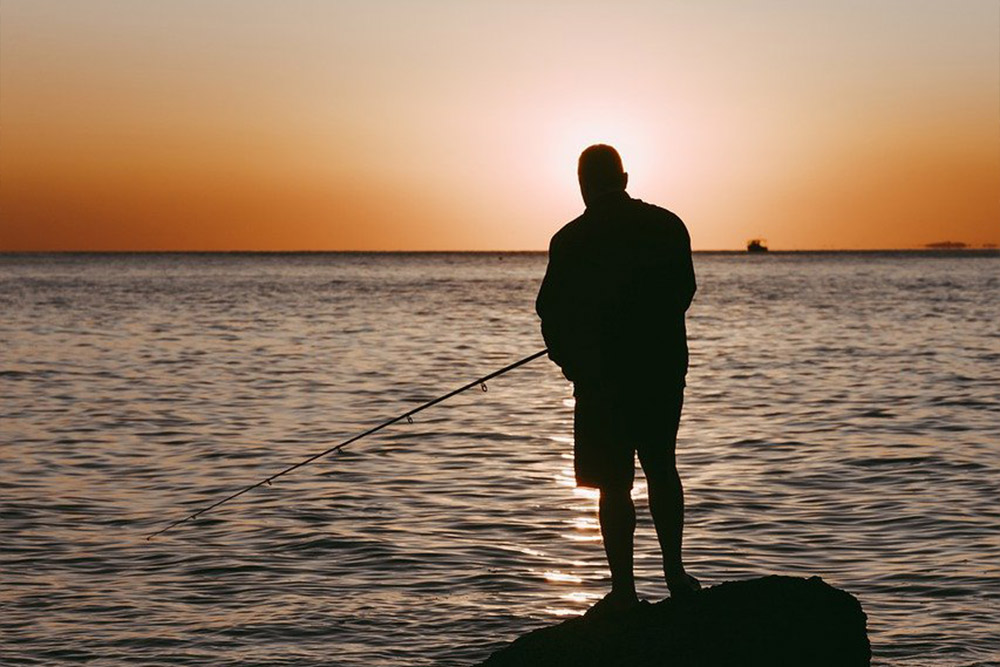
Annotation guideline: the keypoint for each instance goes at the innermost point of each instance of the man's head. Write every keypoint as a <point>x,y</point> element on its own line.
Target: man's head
<point>600,171</point>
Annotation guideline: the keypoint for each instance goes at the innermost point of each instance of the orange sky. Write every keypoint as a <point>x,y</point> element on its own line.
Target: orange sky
<point>383,125</point>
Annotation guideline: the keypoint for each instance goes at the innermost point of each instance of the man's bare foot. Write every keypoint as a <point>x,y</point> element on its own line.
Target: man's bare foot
<point>682,585</point>
<point>613,604</point>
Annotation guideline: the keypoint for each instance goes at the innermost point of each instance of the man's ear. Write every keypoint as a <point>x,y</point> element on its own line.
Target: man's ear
<point>624,180</point>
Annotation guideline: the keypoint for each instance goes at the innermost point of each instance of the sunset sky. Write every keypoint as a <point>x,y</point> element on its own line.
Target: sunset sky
<point>456,124</point>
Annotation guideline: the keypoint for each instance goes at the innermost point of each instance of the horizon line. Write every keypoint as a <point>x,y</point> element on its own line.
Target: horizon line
<point>454,251</point>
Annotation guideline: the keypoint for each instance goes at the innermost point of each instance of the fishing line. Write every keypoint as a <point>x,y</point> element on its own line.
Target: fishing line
<point>408,416</point>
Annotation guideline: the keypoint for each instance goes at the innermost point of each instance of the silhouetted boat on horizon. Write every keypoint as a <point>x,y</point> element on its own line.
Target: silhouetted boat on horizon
<point>756,245</point>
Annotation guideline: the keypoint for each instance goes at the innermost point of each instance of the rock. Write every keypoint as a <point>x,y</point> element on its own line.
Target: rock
<point>769,621</point>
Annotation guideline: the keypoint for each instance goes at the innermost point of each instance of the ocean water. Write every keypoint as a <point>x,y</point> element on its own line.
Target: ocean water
<point>842,419</point>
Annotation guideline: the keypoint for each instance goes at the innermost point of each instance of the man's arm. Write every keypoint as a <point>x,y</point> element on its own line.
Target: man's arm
<point>686,284</point>
<point>552,307</point>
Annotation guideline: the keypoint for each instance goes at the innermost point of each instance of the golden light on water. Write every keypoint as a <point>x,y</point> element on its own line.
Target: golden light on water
<point>562,577</point>
<point>580,597</point>
<point>564,611</point>
<point>578,537</point>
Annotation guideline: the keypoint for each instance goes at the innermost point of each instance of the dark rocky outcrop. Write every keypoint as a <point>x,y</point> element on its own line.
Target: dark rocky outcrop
<point>770,621</point>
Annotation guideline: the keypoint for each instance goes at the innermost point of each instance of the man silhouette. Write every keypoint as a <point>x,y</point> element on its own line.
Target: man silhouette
<point>612,305</point>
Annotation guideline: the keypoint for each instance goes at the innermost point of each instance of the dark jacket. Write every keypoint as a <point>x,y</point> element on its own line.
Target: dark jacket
<point>612,303</point>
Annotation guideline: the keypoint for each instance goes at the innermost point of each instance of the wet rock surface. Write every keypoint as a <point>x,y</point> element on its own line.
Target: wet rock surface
<point>772,620</point>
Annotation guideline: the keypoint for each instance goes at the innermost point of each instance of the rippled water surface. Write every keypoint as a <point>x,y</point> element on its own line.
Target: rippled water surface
<point>842,419</point>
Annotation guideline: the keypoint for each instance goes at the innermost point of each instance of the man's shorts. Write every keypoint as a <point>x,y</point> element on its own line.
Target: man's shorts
<point>608,431</point>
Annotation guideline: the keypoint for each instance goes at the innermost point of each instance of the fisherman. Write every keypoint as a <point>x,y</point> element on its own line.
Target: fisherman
<point>612,305</point>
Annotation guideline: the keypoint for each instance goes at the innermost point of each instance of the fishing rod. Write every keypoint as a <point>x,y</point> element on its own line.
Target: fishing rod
<point>408,416</point>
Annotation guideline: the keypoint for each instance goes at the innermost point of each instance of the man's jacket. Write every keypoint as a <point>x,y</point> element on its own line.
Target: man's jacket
<point>612,303</point>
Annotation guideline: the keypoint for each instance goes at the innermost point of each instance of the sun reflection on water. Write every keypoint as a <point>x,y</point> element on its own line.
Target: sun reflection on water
<point>576,537</point>
<point>562,577</point>
<point>580,597</point>
<point>563,611</point>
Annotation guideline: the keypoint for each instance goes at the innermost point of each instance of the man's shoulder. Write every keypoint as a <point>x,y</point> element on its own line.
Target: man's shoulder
<point>658,213</point>
<point>569,231</point>
<point>655,220</point>
<point>659,225</point>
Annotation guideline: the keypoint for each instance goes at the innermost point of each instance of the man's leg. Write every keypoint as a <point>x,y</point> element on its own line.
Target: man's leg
<point>599,462</point>
<point>666,501</point>
<point>666,504</point>
<point>617,516</point>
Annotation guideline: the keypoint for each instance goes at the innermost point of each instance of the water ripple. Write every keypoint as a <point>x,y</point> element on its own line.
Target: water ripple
<point>840,419</point>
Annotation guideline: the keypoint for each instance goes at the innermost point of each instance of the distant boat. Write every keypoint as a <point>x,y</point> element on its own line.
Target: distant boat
<point>947,245</point>
<point>756,245</point>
